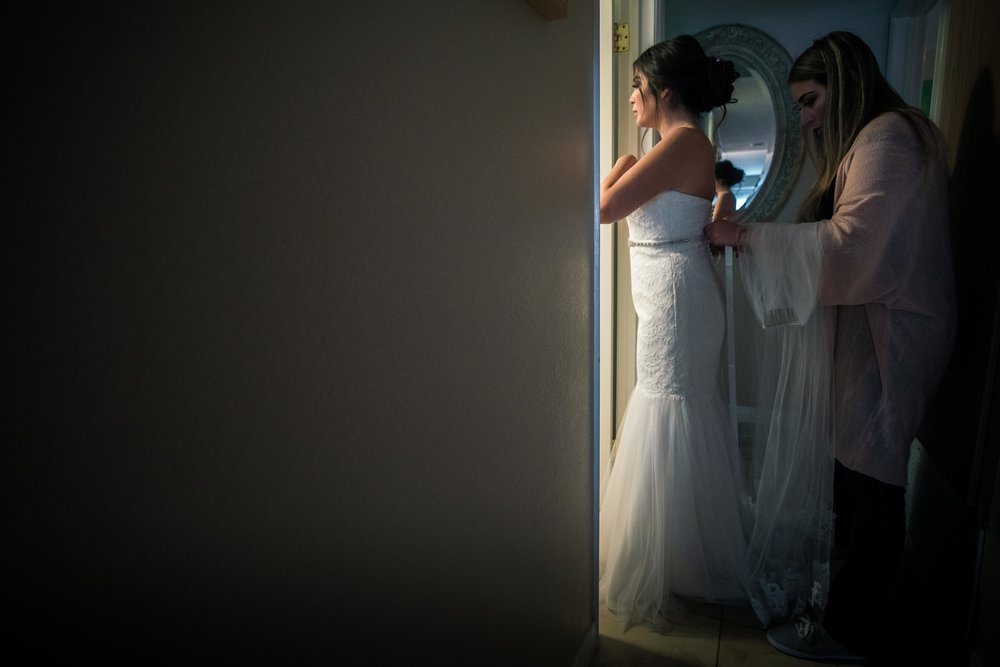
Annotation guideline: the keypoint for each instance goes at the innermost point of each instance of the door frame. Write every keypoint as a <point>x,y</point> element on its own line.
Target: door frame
<point>618,135</point>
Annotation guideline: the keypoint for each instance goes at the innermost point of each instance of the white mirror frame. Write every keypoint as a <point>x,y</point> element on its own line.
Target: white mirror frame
<point>761,52</point>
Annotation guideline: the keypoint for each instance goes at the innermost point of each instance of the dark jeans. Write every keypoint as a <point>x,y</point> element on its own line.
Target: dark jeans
<point>871,529</point>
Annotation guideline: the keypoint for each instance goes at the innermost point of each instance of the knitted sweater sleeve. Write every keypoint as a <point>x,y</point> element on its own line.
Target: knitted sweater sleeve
<point>872,243</point>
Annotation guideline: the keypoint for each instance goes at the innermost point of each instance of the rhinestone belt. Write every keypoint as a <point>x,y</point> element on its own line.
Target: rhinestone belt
<point>649,244</point>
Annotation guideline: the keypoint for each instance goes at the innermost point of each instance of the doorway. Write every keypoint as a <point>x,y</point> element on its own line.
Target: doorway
<point>627,28</point>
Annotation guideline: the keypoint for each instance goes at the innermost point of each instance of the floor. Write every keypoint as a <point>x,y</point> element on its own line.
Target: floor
<point>700,634</point>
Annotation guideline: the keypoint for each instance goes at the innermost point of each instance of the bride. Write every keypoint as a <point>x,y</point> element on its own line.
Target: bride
<point>673,519</point>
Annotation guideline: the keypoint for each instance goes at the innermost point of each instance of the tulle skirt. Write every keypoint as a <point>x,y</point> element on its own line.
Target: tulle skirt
<point>674,517</point>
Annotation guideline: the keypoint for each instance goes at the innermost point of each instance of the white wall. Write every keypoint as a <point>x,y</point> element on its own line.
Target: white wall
<point>794,25</point>
<point>308,321</point>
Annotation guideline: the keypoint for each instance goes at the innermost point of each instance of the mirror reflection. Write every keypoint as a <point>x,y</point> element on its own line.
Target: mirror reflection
<point>746,135</point>
<point>759,134</point>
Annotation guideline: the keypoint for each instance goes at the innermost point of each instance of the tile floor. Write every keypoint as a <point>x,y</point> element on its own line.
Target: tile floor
<point>700,634</point>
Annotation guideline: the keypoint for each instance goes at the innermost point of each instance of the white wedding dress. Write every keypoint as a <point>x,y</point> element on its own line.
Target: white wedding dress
<point>674,515</point>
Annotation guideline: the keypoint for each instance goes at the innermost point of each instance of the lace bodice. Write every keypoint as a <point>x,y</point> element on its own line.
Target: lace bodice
<point>677,296</point>
<point>669,216</point>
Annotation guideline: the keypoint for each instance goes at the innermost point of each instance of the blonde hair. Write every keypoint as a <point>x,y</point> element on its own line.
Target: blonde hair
<point>856,92</point>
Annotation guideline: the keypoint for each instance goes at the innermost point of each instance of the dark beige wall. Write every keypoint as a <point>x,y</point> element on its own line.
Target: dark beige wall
<point>963,426</point>
<point>305,331</point>
<point>970,122</point>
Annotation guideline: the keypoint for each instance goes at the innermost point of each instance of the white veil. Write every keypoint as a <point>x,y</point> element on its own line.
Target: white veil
<point>792,460</point>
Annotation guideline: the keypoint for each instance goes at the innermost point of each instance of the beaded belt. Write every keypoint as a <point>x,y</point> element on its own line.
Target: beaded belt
<point>649,244</point>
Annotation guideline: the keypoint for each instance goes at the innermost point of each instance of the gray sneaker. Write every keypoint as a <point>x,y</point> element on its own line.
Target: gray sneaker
<point>803,638</point>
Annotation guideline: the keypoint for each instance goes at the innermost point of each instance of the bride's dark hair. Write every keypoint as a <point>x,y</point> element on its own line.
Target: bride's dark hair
<point>699,82</point>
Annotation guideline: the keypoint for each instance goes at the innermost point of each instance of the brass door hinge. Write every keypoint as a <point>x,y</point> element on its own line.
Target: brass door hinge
<point>621,37</point>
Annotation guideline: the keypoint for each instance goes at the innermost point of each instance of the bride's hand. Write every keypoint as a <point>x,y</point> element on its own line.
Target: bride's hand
<point>622,165</point>
<point>625,162</point>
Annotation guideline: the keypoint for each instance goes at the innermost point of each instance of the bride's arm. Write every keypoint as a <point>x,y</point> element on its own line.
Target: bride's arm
<point>624,163</point>
<point>672,164</point>
<point>725,206</point>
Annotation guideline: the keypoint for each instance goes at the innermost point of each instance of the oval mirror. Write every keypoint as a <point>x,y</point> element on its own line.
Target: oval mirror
<point>759,132</point>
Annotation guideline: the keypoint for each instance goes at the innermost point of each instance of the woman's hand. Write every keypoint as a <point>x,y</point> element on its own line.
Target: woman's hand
<point>724,232</point>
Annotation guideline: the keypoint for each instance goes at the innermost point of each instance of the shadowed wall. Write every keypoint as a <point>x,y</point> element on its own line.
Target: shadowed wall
<point>305,331</point>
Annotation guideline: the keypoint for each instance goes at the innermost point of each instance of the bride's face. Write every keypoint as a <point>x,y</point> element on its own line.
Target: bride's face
<point>642,101</point>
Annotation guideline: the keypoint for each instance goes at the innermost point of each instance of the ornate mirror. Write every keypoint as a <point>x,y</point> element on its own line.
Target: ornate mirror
<point>759,133</point>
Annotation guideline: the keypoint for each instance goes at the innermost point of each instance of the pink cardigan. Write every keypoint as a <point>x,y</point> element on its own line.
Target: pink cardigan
<point>886,266</point>
<point>882,266</point>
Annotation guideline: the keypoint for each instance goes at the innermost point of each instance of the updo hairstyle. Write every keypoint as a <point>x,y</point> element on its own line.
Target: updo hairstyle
<point>699,82</point>
<point>728,173</point>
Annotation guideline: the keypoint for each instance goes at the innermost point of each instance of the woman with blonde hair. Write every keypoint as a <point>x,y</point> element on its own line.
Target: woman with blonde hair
<point>861,295</point>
